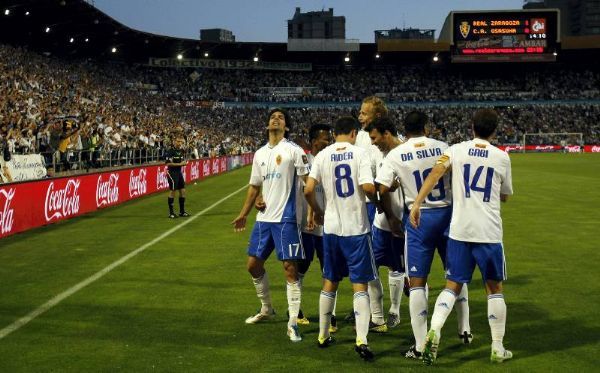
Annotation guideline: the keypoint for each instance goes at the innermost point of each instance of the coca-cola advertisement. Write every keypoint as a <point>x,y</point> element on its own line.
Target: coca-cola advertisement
<point>32,204</point>
<point>551,148</point>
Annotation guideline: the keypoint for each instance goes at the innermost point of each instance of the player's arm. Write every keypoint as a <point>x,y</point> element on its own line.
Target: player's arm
<point>370,191</point>
<point>386,205</point>
<point>438,171</point>
<point>311,197</point>
<point>239,223</point>
<point>259,203</point>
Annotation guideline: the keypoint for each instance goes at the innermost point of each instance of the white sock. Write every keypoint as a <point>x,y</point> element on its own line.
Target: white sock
<point>326,304</point>
<point>462,310</point>
<point>262,291</point>
<point>417,304</point>
<point>497,319</point>
<point>293,296</point>
<point>334,304</point>
<point>396,285</point>
<point>363,314</point>
<point>376,298</point>
<point>443,305</point>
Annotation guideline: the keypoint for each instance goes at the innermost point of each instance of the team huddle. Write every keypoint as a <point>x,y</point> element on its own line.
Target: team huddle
<point>372,198</point>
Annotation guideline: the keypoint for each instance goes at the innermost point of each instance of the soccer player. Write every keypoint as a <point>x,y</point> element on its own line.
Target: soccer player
<point>411,162</point>
<point>275,168</point>
<point>175,161</point>
<point>388,248</point>
<point>344,171</point>
<point>481,179</point>
<point>372,108</point>
<point>312,235</point>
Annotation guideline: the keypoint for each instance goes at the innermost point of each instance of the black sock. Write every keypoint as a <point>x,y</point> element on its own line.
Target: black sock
<point>181,205</point>
<point>171,200</point>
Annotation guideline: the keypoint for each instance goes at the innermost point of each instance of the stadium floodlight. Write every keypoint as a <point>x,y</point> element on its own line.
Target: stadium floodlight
<point>377,56</point>
<point>436,58</point>
<point>206,54</point>
<point>27,13</point>
<point>347,58</point>
<point>71,40</point>
<point>6,12</point>
<point>255,59</point>
<point>180,56</point>
<point>555,53</point>
<point>114,50</point>
<point>87,39</point>
<point>47,30</point>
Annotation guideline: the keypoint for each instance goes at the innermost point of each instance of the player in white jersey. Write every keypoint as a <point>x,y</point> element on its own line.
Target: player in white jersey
<point>344,171</point>
<point>388,248</point>
<point>411,162</point>
<point>319,137</point>
<point>481,179</point>
<point>275,168</point>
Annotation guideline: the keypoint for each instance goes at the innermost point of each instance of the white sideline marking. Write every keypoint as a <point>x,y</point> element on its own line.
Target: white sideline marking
<point>74,289</point>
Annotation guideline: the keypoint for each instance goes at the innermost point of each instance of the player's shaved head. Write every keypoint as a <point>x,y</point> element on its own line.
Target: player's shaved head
<point>345,125</point>
<point>415,122</point>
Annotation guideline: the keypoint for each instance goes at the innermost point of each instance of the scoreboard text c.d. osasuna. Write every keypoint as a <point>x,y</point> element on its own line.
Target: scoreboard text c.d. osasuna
<point>505,36</point>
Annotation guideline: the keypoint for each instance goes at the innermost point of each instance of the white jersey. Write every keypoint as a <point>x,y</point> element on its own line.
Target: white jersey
<point>341,169</point>
<point>276,170</point>
<point>363,140</point>
<point>480,173</point>
<point>397,200</point>
<point>411,162</point>
<point>303,204</point>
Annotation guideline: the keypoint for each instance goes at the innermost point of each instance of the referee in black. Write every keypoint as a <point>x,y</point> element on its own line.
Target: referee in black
<point>175,161</point>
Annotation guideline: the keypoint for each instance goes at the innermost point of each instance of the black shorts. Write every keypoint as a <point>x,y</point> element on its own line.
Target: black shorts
<point>176,181</point>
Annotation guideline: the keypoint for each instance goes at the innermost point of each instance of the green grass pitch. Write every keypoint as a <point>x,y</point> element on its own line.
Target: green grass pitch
<point>180,305</point>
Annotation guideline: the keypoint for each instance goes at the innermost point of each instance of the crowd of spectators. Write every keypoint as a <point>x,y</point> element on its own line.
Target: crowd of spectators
<point>91,114</point>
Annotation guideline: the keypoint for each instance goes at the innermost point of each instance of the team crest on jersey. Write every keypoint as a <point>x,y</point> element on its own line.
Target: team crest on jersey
<point>278,160</point>
<point>419,145</point>
<point>465,28</point>
<point>482,146</point>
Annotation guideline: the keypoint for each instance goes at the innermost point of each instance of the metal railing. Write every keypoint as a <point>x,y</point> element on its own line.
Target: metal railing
<point>101,158</point>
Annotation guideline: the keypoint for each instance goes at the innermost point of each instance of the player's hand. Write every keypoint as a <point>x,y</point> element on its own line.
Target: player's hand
<point>239,223</point>
<point>415,216</point>
<point>310,222</point>
<point>396,227</point>
<point>394,186</point>
<point>260,204</point>
<point>319,218</point>
<point>379,207</point>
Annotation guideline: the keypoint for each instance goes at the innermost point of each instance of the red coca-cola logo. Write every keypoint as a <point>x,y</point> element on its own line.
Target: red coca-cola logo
<point>223,164</point>
<point>61,203</point>
<point>544,147</point>
<point>7,214</point>
<point>107,192</point>
<point>215,166</point>
<point>206,168</point>
<point>138,185</point>
<point>195,171</point>
<point>573,148</point>
<point>595,149</point>
<point>510,148</point>
<point>184,173</point>
<point>161,178</point>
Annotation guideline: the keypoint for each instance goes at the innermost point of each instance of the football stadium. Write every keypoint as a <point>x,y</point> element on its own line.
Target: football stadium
<point>321,204</point>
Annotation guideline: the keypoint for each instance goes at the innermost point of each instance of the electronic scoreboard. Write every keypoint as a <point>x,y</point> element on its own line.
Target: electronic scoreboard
<point>505,36</point>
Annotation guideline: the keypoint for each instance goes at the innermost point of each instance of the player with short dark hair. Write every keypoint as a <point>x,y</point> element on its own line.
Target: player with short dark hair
<point>175,160</point>
<point>481,180</point>
<point>344,171</point>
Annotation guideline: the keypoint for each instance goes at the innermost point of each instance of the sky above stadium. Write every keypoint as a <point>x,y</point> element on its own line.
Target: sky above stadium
<point>266,20</point>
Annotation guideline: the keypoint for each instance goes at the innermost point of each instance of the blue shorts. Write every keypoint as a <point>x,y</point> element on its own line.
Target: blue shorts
<point>311,245</point>
<point>284,237</point>
<point>351,256</point>
<point>462,257</point>
<point>371,211</point>
<point>388,250</point>
<point>421,242</point>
